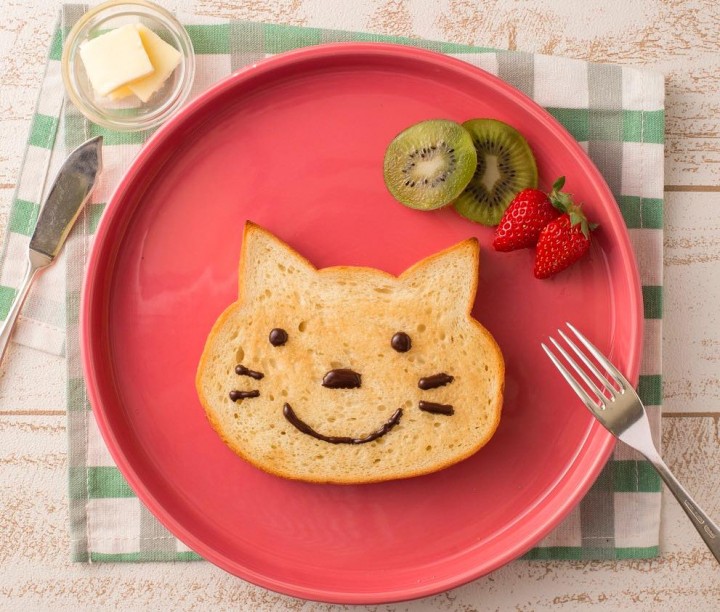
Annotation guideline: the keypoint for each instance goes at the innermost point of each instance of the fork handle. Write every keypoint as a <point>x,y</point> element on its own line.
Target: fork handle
<point>707,529</point>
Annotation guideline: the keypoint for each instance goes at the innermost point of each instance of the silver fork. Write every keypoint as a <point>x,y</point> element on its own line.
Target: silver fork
<point>612,401</point>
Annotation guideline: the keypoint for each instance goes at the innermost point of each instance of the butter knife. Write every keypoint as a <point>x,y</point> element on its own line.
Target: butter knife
<point>69,193</point>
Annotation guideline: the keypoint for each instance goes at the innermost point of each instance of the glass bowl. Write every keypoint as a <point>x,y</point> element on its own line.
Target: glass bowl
<point>128,114</point>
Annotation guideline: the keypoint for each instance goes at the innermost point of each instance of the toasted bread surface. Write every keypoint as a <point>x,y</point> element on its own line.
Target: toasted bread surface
<point>344,319</point>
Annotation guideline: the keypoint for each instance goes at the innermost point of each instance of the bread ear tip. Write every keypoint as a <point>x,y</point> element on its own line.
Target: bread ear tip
<point>251,226</point>
<point>253,231</point>
<point>472,245</point>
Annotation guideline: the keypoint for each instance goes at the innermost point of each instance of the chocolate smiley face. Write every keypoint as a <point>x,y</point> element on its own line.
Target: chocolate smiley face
<point>350,374</point>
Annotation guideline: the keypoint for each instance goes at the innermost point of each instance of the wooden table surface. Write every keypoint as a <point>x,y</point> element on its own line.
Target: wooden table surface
<point>678,38</point>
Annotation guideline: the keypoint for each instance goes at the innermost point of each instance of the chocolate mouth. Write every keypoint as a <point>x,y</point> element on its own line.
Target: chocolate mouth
<point>302,426</point>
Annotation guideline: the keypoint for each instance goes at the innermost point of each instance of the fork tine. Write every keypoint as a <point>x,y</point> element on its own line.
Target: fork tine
<point>582,394</point>
<point>588,381</point>
<point>589,364</point>
<point>602,360</point>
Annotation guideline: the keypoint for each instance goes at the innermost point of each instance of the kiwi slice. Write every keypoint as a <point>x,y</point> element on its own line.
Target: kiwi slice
<point>429,164</point>
<point>505,166</point>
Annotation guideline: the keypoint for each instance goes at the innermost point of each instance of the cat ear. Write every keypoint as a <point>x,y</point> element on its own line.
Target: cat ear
<point>269,267</point>
<point>449,278</point>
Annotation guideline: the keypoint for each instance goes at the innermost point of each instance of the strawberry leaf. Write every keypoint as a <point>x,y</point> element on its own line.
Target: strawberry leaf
<point>562,201</point>
<point>584,228</point>
<point>576,216</point>
<point>565,204</point>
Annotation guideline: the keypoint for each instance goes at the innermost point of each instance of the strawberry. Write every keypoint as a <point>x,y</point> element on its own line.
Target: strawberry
<point>562,242</point>
<point>528,212</point>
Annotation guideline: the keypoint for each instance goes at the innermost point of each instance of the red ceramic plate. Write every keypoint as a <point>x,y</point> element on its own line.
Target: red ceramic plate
<point>296,144</point>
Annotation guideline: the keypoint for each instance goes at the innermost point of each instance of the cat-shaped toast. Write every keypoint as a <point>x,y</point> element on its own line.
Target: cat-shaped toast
<point>348,374</point>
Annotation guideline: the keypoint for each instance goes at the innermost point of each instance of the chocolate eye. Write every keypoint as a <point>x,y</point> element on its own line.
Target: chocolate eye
<point>401,342</point>
<point>278,336</point>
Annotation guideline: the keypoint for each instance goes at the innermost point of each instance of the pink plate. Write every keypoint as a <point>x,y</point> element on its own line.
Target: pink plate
<point>296,144</point>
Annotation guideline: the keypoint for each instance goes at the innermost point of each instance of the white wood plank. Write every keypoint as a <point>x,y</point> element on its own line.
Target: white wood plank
<point>635,33</point>
<point>643,33</point>
<point>691,326</point>
<point>31,380</point>
<point>680,39</point>
<point>38,575</point>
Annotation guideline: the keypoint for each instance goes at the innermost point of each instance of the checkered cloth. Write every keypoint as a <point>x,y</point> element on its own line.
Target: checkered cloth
<point>617,115</point>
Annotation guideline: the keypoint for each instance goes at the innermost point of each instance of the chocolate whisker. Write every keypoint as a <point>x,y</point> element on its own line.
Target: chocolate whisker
<point>241,370</point>
<point>435,381</point>
<point>434,408</point>
<point>236,395</point>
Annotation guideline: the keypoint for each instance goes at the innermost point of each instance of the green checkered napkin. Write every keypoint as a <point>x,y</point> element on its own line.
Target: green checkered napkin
<point>616,113</point>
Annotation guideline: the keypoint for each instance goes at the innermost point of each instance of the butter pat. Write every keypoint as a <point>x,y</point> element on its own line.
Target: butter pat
<point>164,59</point>
<point>115,58</point>
<point>120,93</point>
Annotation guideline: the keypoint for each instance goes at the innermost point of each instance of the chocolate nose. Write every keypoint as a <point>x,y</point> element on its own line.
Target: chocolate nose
<point>341,378</point>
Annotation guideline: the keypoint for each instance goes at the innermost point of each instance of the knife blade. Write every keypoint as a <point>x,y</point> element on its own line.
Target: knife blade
<point>71,189</point>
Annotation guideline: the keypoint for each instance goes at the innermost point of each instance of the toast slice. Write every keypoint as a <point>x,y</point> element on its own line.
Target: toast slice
<point>351,375</point>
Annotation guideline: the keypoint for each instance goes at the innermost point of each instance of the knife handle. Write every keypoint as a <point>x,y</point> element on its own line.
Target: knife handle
<point>33,268</point>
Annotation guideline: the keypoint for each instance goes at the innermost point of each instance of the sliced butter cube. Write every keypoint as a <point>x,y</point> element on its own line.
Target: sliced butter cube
<point>164,58</point>
<point>114,59</point>
<point>120,93</point>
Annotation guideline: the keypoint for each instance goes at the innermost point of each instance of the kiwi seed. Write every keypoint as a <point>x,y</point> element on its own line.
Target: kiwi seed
<point>505,166</point>
<point>429,164</point>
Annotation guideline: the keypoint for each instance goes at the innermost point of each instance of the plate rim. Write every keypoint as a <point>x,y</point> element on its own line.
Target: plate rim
<point>600,442</point>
